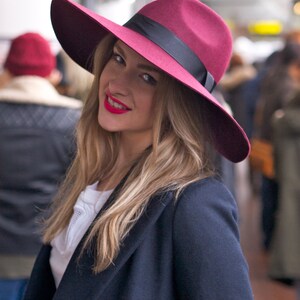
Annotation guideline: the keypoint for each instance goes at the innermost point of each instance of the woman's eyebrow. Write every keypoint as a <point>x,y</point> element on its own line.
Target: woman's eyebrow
<point>144,66</point>
<point>149,68</point>
<point>120,50</point>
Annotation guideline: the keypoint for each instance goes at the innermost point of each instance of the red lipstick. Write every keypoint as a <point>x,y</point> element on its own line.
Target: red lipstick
<point>115,106</point>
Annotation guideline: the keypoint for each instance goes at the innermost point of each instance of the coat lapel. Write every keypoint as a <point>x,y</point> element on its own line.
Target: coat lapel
<point>79,282</point>
<point>41,284</point>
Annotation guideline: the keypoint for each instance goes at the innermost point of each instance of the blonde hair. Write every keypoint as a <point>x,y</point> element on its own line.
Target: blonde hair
<point>176,158</point>
<point>79,80</point>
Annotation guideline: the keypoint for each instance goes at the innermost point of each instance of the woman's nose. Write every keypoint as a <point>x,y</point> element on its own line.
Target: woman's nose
<point>121,83</point>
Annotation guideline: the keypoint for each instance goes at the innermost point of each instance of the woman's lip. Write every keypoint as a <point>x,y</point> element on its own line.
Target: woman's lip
<point>112,109</point>
<point>108,94</point>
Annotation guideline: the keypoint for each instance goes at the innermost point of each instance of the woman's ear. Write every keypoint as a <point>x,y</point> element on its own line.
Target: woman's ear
<point>5,78</point>
<point>55,77</point>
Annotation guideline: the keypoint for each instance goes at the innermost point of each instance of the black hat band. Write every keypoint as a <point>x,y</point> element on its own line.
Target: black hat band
<point>174,46</point>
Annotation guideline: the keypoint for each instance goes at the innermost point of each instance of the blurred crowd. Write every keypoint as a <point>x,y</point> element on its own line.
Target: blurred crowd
<point>265,99</point>
<point>40,103</point>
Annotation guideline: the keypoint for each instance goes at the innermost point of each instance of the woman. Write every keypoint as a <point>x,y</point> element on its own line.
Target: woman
<point>140,215</point>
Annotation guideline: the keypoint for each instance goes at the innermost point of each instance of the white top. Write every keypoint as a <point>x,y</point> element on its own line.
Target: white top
<point>86,208</point>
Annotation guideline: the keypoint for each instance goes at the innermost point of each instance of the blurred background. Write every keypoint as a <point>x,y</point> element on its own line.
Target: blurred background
<point>257,25</point>
<point>259,28</point>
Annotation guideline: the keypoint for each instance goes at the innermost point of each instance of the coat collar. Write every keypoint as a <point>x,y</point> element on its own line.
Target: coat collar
<point>79,273</point>
<point>35,90</point>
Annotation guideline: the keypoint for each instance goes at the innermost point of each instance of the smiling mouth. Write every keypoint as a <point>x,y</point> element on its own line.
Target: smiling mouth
<point>114,106</point>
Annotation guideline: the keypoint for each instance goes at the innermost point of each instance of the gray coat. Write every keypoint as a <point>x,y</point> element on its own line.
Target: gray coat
<point>36,147</point>
<point>285,250</point>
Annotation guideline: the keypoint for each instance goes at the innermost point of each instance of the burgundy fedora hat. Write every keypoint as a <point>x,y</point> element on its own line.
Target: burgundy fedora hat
<point>184,38</point>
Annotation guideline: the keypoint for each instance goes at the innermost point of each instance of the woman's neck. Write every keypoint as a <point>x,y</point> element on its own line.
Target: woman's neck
<point>130,149</point>
<point>133,144</point>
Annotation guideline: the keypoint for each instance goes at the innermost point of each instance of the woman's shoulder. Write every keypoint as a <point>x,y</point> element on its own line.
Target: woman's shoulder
<point>208,197</point>
<point>206,188</point>
<point>206,218</point>
<point>206,243</point>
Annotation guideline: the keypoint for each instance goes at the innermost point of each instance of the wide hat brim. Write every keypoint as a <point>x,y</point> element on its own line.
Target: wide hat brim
<point>79,31</point>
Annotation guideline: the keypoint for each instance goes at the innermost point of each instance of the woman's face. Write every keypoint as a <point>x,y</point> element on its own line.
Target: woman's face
<point>126,93</point>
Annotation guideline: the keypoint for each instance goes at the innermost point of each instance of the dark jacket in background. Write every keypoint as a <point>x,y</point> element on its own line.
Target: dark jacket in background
<point>36,147</point>
<point>232,84</point>
<point>276,91</point>
<point>189,250</point>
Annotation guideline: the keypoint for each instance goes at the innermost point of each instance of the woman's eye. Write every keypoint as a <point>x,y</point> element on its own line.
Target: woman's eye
<point>149,79</point>
<point>118,58</point>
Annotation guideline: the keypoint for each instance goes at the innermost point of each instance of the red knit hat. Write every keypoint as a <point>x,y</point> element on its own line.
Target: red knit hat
<point>30,54</point>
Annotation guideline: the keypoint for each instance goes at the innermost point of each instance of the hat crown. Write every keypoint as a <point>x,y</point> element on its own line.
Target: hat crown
<point>199,27</point>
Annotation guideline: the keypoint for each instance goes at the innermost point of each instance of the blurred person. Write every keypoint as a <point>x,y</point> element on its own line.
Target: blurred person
<point>251,94</point>
<point>231,86</point>
<point>224,168</point>
<point>140,215</point>
<point>251,91</point>
<point>277,89</point>
<point>284,264</point>
<point>237,75</point>
<point>292,36</point>
<point>36,148</point>
<point>252,88</point>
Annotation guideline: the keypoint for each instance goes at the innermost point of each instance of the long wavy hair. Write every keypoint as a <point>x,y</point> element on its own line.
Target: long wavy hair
<point>176,158</point>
